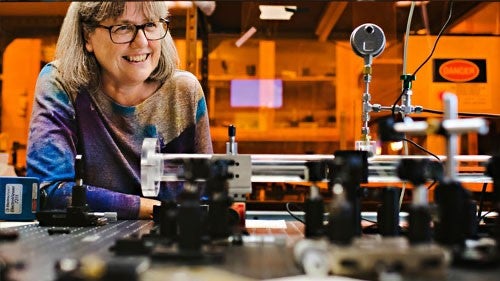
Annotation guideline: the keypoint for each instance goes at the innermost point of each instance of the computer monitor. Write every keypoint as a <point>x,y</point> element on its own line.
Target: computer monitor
<point>266,93</point>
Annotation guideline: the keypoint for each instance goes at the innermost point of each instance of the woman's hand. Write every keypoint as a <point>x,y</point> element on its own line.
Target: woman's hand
<point>146,208</point>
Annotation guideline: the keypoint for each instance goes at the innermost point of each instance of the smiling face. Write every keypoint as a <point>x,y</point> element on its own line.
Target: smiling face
<point>124,64</point>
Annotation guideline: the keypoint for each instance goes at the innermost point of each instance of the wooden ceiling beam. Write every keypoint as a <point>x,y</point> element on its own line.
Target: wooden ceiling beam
<point>329,18</point>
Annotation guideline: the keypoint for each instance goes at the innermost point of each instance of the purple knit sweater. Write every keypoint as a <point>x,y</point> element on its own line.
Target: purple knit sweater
<point>109,136</point>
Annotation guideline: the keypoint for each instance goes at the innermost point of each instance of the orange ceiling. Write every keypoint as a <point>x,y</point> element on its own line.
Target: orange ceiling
<point>483,21</point>
<point>33,8</point>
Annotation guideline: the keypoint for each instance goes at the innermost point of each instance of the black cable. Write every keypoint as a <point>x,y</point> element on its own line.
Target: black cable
<point>431,185</point>
<point>483,216</point>
<point>481,202</point>
<point>437,39</point>
<point>470,114</point>
<point>415,72</point>
<point>428,57</point>
<point>433,111</point>
<point>395,103</point>
<point>440,112</point>
<point>422,148</point>
<point>287,206</point>
<point>365,219</point>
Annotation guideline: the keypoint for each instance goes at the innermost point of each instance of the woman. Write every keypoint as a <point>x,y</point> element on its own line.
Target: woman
<point>113,83</point>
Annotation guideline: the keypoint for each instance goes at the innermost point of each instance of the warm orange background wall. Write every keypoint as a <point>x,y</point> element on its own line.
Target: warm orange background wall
<point>21,64</point>
<point>472,97</point>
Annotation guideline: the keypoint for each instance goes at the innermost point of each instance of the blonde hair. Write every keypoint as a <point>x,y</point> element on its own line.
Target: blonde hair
<point>78,67</point>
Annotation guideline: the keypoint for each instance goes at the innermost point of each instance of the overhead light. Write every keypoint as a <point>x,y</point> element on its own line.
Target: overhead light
<point>180,4</point>
<point>274,12</point>
<point>403,4</point>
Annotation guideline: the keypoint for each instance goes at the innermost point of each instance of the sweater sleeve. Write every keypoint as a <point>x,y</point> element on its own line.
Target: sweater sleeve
<point>52,143</point>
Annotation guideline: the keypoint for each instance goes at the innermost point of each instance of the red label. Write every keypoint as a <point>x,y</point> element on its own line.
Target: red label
<point>459,70</point>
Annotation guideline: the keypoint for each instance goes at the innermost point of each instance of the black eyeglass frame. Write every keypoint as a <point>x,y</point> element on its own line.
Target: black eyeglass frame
<point>137,28</point>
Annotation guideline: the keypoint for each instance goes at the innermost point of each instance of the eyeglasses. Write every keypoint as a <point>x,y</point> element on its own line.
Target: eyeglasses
<point>126,33</point>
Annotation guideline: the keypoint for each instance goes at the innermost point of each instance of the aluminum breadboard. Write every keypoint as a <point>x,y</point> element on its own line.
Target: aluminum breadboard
<point>39,251</point>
